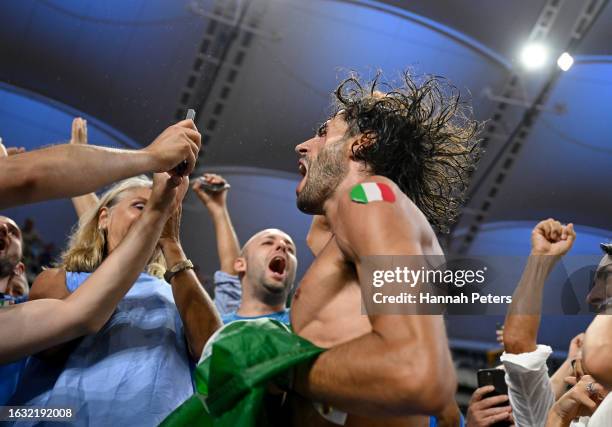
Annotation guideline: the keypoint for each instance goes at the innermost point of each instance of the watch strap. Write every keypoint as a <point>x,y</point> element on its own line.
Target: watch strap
<point>177,268</point>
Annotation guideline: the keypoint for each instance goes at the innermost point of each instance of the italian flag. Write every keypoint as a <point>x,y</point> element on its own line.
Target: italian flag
<point>238,363</point>
<point>372,192</point>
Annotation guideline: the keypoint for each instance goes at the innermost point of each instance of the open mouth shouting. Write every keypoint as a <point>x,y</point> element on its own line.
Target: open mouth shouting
<point>303,169</point>
<point>278,267</point>
<point>4,244</point>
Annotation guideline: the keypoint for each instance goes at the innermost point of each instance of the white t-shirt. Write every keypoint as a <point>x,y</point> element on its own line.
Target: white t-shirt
<point>531,395</point>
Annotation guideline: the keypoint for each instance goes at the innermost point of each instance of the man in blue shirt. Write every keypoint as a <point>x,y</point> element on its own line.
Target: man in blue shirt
<point>11,271</point>
<point>255,281</point>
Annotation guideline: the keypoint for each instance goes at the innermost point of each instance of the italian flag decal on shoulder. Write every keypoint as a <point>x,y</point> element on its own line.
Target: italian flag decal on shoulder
<point>372,192</point>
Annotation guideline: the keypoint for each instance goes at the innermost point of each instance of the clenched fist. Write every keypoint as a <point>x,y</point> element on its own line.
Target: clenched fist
<point>550,237</point>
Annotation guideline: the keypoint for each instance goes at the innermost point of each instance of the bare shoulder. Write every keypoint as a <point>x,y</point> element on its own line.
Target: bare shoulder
<point>378,200</point>
<point>364,195</point>
<point>375,215</point>
<point>51,283</point>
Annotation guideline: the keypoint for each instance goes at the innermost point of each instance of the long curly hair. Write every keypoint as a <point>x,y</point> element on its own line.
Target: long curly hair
<point>87,246</point>
<point>421,134</point>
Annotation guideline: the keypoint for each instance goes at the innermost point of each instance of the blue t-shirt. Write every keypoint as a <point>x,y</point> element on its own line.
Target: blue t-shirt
<point>134,371</point>
<point>433,421</point>
<point>282,316</point>
<point>228,292</point>
<point>10,372</point>
<point>9,378</point>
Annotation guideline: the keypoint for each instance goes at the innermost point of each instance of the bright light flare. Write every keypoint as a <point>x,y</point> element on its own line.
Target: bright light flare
<point>534,56</point>
<point>565,61</point>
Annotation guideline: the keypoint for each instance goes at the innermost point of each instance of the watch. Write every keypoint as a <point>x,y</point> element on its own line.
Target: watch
<point>177,268</point>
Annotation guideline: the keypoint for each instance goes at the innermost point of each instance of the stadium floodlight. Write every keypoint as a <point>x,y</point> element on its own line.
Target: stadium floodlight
<point>533,56</point>
<point>565,61</point>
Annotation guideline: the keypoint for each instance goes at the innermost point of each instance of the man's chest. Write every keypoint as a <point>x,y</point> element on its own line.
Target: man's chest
<point>326,308</point>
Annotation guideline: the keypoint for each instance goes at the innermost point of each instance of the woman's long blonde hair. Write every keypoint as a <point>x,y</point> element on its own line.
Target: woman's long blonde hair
<point>87,246</point>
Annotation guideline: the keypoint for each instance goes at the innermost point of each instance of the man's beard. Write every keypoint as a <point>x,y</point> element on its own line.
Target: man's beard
<point>324,175</point>
<point>270,293</point>
<point>7,265</point>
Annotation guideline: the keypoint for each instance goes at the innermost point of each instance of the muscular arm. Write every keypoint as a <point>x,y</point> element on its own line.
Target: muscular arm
<point>195,307</point>
<point>523,317</point>
<point>549,241</point>
<point>403,366</point>
<point>228,247</point>
<point>45,323</point>
<point>50,173</point>
<point>72,169</point>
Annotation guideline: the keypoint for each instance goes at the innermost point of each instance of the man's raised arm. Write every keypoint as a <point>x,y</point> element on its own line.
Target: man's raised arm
<point>79,136</point>
<point>550,240</point>
<point>228,247</point>
<point>72,169</point>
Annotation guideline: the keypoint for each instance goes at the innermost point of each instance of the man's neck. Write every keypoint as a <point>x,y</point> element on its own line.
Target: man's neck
<point>355,175</point>
<point>250,307</point>
<point>253,305</point>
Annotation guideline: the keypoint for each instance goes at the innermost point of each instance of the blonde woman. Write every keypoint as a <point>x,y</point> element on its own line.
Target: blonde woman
<point>48,322</point>
<point>136,369</point>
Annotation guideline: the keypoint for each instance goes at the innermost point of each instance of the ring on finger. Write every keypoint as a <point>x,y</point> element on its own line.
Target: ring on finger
<point>590,388</point>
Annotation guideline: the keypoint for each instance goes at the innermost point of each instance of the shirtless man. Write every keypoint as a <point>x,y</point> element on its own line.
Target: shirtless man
<point>383,370</point>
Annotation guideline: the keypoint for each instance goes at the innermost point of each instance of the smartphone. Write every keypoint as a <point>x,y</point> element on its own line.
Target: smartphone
<point>494,377</point>
<point>182,167</point>
<point>212,188</point>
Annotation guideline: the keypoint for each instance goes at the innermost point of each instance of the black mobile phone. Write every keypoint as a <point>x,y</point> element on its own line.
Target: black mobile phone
<point>182,167</point>
<point>494,377</point>
<point>213,188</point>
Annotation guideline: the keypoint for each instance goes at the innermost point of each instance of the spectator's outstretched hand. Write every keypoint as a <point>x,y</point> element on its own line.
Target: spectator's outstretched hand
<point>483,412</point>
<point>79,131</point>
<point>179,142</point>
<point>580,401</point>
<point>167,194</point>
<point>550,237</point>
<point>171,231</point>
<point>213,200</point>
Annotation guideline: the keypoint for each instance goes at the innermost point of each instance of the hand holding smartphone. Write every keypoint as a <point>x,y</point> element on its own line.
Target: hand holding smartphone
<point>182,167</point>
<point>495,378</point>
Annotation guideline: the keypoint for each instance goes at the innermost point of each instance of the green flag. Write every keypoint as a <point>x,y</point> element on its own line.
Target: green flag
<point>237,364</point>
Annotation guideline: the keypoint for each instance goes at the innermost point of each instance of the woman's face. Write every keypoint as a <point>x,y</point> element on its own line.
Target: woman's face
<point>118,219</point>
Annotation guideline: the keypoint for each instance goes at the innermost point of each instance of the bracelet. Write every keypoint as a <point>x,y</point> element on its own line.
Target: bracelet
<point>177,268</point>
